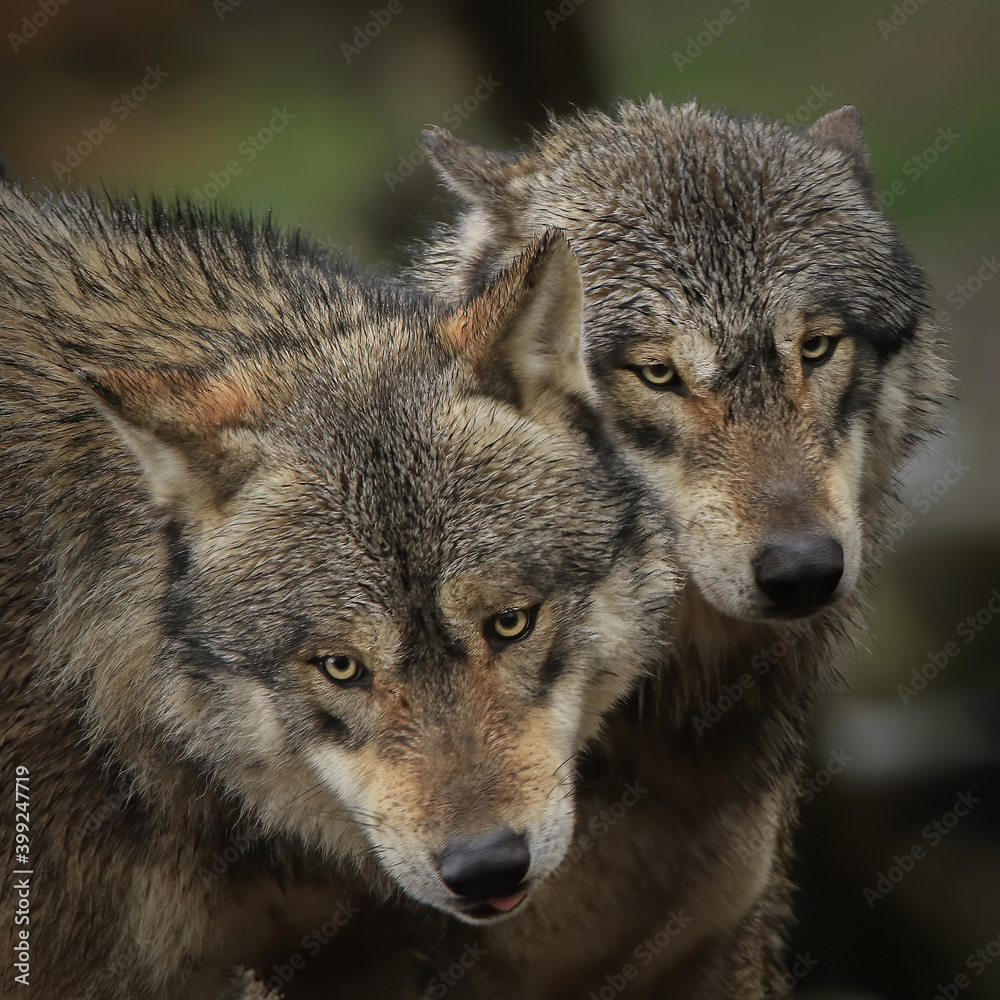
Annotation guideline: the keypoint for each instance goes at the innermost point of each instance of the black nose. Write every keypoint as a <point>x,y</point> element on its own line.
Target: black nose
<point>799,572</point>
<point>490,866</point>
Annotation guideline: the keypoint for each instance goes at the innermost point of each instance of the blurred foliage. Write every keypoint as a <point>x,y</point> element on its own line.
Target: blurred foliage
<point>361,81</point>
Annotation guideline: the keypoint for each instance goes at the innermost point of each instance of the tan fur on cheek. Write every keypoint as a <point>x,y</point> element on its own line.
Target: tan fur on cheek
<point>845,482</point>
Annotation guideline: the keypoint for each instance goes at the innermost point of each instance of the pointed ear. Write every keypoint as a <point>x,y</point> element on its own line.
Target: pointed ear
<point>843,130</point>
<point>472,172</point>
<point>523,333</point>
<point>183,426</point>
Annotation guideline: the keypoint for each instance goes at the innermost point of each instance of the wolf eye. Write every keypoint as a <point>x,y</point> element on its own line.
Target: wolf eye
<point>509,626</point>
<point>658,376</point>
<point>817,349</point>
<point>342,669</point>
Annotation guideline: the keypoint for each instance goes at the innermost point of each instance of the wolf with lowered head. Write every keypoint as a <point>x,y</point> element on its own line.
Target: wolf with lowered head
<point>294,559</point>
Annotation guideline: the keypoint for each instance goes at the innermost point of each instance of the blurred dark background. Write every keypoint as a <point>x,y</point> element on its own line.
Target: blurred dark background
<point>312,111</point>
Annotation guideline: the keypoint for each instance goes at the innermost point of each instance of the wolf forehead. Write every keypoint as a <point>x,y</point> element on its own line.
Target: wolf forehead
<point>426,481</point>
<point>387,472</point>
<point>686,216</point>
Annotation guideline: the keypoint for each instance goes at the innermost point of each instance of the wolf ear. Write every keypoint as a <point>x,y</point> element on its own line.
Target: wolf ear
<point>472,172</point>
<point>183,425</point>
<point>523,332</point>
<point>843,130</point>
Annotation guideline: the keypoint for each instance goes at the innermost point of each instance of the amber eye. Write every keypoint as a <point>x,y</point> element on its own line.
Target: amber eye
<point>658,376</point>
<point>817,349</point>
<point>342,669</point>
<point>509,626</point>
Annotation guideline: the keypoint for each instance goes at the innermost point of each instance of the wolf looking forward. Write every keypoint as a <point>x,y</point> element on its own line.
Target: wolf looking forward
<point>299,561</point>
<point>761,339</point>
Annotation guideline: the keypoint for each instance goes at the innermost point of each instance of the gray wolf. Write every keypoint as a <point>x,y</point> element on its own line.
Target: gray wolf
<point>761,340</point>
<point>299,570</point>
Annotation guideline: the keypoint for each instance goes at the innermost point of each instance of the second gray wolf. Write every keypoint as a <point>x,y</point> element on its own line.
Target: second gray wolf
<point>761,339</point>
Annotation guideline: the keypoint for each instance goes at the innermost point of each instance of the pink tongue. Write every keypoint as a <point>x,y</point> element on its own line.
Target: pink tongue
<point>505,903</point>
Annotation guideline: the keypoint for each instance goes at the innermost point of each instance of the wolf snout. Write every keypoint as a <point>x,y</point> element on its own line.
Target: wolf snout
<point>799,573</point>
<point>488,869</point>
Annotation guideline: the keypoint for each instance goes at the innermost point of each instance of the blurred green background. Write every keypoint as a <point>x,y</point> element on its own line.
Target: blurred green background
<point>312,111</point>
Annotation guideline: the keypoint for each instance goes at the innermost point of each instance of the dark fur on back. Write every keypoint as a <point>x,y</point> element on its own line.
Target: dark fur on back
<point>715,251</point>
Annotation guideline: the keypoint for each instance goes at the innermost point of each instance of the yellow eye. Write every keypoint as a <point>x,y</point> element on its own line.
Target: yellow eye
<point>512,625</point>
<point>341,668</point>
<point>817,348</point>
<point>658,375</point>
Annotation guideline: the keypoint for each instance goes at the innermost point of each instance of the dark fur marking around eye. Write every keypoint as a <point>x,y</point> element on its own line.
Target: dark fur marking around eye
<point>859,392</point>
<point>889,341</point>
<point>333,727</point>
<point>649,438</point>
<point>887,334</point>
<point>552,669</point>
<point>609,348</point>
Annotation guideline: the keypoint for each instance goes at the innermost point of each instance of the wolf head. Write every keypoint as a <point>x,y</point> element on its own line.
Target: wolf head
<point>754,325</point>
<point>401,574</point>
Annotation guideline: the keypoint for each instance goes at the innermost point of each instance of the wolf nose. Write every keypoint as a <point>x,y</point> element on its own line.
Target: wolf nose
<point>799,573</point>
<point>485,868</point>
